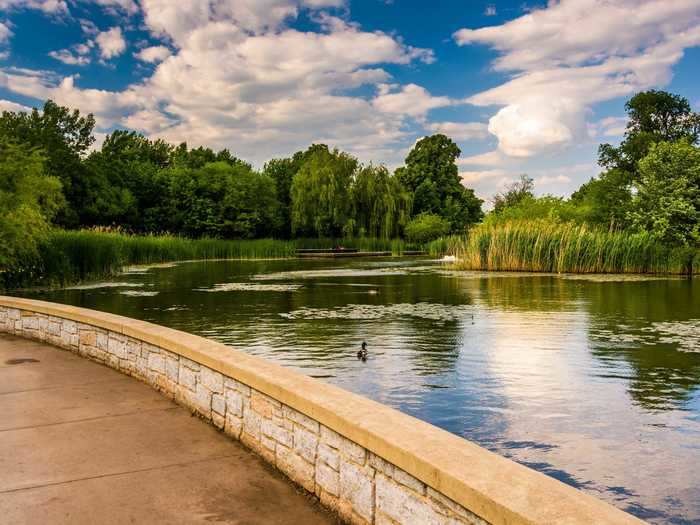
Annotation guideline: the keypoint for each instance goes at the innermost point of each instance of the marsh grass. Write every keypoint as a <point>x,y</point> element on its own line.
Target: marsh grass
<point>544,246</point>
<point>72,256</point>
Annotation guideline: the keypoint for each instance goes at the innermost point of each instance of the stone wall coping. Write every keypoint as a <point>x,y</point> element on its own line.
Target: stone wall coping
<point>493,487</point>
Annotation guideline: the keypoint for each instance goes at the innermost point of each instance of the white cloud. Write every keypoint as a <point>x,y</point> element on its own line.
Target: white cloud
<point>552,179</point>
<point>490,158</point>
<point>111,43</point>
<point>470,177</point>
<point>128,6</point>
<point>8,105</point>
<point>490,10</point>
<point>68,57</point>
<point>5,33</point>
<point>460,130</point>
<point>47,6</point>
<point>260,92</point>
<point>153,54</point>
<point>573,54</point>
<point>411,99</point>
<point>608,127</point>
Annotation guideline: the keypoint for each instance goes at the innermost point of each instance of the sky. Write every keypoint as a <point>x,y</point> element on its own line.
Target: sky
<point>522,87</point>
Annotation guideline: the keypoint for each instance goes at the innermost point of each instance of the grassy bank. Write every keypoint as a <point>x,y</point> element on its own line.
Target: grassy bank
<point>68,256</point>
<point>542,246</point>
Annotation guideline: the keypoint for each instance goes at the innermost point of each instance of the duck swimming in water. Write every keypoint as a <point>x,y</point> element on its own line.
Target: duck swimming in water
<point>362,353</point>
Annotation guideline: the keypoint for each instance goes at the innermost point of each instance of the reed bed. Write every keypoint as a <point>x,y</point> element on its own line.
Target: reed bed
<point>543,246</point>
<point>70,256</point>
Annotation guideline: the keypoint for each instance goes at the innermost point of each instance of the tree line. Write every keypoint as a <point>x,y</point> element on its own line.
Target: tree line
<point>52,176</point>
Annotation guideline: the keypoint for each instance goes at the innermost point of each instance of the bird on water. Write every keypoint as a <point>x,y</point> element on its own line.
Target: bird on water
<point>362,353</point>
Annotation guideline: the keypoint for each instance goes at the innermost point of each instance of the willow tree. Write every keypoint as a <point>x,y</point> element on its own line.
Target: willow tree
<point>381,205</point>
<point>320,194</point>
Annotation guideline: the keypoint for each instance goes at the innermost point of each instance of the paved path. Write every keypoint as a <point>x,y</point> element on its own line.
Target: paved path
<point>82,443</point>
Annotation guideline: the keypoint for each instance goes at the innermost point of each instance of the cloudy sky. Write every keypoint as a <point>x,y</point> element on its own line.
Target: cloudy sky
<point>522,87</point>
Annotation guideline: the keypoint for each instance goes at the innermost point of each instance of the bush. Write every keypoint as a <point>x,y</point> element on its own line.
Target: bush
<point>426,227</point>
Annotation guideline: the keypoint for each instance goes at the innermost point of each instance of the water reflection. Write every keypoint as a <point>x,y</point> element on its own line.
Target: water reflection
<point>592,381</point>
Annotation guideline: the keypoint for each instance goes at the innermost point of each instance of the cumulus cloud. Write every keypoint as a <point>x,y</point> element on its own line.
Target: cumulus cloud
<point>47,6</point>
<point>5,33</point>
<point>411,99</point>
<point>153,54</point>
<point>111,43</point>
<point>460,130</point>
<point>239,77</point>
<point>68,57</point>
<point>573,54</point>
<point>8,105</point>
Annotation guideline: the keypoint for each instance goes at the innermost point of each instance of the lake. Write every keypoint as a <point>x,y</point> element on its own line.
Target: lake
<point>593,380</point>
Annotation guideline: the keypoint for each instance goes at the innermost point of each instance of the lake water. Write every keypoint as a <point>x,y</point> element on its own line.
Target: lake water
<point>591,380</point>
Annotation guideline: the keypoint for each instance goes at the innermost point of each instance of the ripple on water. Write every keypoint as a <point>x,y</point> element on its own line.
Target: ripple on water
<point>95,286</point>
<point>251,287</point>
<point>138,293</point>
<point>337,272</point>
<point>684,334</point>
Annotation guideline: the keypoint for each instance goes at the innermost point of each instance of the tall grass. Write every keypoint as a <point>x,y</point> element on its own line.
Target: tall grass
<point>69,256</point>
<point>544,246</point>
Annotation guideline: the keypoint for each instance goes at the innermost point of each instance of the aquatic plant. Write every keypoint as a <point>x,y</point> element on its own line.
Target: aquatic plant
<point>546,246</point>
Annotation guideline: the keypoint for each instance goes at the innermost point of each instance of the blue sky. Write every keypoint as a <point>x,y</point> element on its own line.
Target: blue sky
<point>527,87</point>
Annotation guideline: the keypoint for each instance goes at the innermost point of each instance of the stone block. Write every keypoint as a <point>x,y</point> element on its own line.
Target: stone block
<point>329,456</point>
<point>187,377</point>
<point>295,467</point>
<point>352,451</point>
<point>451,508</point>
<point>356,488</point>
<point>88,337</point>
<point>156,362</point>
<point>328,479</point>
<point>305,443</point>
<point>403,505</point>
<point>300,419</point>
<point>117,346</point>
<point>233,425</point>
<point>214,381</point>
<point>380,465</point>
<point>172,368</point>
<point>262,404</point>
<point>234,402</point>
<point>218,404</point>
<point>330,437</point>
<point>404,478</point>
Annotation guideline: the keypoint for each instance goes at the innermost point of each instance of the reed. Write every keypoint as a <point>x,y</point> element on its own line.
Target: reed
<point>70,256</point>
<point>545,246</point>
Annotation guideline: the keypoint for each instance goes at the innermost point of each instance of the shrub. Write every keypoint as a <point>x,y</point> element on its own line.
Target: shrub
<point>426,227</point>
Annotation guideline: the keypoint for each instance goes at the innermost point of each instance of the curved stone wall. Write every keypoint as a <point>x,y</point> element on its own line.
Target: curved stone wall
<point>370,463</point>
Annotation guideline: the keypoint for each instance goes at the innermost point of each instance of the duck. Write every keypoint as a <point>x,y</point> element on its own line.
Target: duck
<point>362,353</point>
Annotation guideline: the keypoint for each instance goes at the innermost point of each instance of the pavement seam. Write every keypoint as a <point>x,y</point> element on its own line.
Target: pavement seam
<point>95,418</point>
<point>116,379</point>
<point>114,474</point>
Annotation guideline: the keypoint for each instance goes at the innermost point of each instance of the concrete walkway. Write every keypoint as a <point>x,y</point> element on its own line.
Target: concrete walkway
<point>81,443</point>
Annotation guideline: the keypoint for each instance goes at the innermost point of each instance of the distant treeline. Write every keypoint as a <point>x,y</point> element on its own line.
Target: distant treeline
<point>51,178</point>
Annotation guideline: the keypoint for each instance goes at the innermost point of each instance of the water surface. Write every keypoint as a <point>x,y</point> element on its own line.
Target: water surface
<point>591,380</point>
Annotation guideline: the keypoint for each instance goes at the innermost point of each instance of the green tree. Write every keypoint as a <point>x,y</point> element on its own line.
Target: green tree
<point>431,175</point>
<point>654,116</point>
<point>381,206</point>
<point>320,193</point>
<point>514,194</point>
<point>667,200</point>
<point>65,137</point>
<point>28,201</point>
<point>427,227</point>
<point>221,200</point>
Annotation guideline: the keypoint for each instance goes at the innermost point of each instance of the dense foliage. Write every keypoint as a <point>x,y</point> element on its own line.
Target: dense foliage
<point>645,204</point>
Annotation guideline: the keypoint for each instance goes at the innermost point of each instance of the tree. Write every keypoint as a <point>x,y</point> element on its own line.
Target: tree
<point>427,227</point>
<point>381,206</point>
<point>431,175</point>
<point>221,200</point>
<point>654,116</point>
<point>320,193</point>
<point>667,200</point>
<point>64,136</point>
<point>28,201</point>
<point>514,194</point>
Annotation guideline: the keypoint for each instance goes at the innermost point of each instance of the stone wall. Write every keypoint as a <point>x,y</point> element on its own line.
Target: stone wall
<point>360,486</point>
<point>369,463</point>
